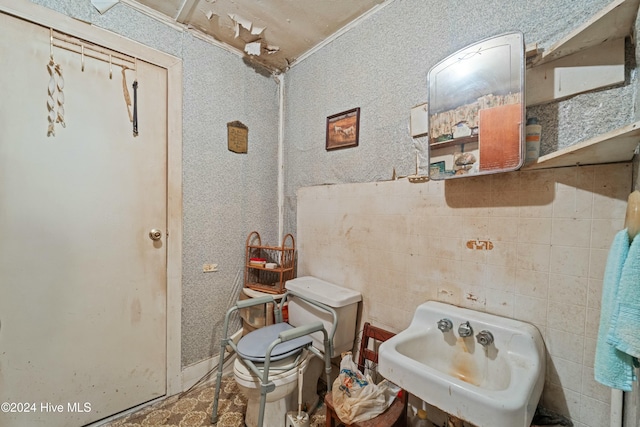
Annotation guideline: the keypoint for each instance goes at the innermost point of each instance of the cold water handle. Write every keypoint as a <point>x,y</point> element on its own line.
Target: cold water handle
<point>484,338</point>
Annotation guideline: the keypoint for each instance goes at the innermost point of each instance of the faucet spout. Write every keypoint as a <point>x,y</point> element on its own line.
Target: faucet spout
<point>465,330</point>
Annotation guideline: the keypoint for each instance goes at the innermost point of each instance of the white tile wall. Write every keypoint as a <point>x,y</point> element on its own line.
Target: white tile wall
<point>401,244</point>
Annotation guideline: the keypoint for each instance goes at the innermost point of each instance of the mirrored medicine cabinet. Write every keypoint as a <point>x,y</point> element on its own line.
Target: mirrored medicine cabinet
<point>476,109</point>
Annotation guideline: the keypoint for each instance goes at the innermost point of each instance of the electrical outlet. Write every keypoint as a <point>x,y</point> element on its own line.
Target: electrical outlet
<point>208,268</point>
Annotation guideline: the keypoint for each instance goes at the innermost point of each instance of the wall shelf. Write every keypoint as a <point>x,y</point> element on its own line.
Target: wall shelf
<point>589,69</point>
<point>270,280</point>
<point>588,58</point>
<point>618,145</point>
<point>456,141</point>
<point>612,22</point>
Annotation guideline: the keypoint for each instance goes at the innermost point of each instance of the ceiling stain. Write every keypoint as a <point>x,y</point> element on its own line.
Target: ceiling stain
<point>270,33</point>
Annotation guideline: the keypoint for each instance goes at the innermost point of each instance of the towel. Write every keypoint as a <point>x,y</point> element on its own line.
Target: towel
<point>613,367</point>
<point>624,330</point>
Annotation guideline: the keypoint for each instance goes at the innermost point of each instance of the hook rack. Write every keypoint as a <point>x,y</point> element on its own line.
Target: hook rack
<point>87,49</point>
<point>55,99</point>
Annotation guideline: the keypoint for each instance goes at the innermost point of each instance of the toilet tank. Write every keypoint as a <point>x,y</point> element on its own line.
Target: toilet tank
<point>344,301</point>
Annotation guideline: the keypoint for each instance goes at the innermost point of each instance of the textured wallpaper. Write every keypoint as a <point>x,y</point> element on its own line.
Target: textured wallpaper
<point>381,66</point>
<point>226,195</point>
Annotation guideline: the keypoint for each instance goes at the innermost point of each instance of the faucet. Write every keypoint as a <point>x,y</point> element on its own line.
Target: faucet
<point>465,330</point>
<point>445,325</point>
<point>484,338</point>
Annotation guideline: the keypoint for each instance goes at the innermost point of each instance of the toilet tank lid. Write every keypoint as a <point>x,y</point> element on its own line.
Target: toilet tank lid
<point>327,293</point>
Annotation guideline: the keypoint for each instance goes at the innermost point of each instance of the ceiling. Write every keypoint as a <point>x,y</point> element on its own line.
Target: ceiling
<point>270,33</point>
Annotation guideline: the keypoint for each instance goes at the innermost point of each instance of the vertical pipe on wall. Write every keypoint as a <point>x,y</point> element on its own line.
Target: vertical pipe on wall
<point>280,79</point>
<point>616,408</point>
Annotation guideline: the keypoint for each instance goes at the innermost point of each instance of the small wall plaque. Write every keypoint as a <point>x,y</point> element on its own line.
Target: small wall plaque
<point>237,137</point>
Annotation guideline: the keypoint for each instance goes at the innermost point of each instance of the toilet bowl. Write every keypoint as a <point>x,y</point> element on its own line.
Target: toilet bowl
<point>284,372</point>
<point>284,375</point>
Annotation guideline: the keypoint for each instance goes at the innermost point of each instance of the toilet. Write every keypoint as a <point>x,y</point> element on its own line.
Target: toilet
<point>284,372</point>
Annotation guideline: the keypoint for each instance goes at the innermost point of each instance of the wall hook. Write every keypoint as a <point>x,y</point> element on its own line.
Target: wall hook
<point>82,57</point>
<point>135,108</point>
<point>110,67</point>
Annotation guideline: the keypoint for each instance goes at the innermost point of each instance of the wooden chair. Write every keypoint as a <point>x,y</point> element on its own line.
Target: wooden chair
<point>396,414</point>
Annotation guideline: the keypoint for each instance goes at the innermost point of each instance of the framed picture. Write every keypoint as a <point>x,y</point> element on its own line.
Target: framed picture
<point>343,129</point>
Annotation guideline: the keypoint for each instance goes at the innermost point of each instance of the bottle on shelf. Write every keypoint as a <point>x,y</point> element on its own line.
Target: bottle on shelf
<point>533,132</point>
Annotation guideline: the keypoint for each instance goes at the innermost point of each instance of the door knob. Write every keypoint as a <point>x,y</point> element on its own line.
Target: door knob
<point>155,234</point>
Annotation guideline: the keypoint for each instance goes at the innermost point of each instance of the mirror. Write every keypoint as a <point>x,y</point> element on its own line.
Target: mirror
<point>476,109</point>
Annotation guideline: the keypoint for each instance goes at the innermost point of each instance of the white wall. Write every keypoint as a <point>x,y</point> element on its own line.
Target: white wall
<point>401,244</point>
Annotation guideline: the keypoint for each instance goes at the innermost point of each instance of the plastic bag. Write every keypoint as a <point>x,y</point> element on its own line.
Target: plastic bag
<point>355,397</point>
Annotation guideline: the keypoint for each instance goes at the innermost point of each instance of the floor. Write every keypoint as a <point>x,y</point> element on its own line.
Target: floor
<point>193,409</point>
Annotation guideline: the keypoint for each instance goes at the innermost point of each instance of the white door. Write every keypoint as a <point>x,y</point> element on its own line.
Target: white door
<point>83,288</point>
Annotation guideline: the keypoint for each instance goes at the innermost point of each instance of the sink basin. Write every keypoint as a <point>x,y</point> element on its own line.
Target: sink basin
<point>494,386</point>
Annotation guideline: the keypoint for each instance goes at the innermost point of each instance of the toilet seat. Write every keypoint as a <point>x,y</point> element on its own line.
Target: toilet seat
<point>283,371</point>
<point>254,345</point>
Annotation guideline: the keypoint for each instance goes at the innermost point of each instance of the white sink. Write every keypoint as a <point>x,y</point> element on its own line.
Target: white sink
<point>494,386</point>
